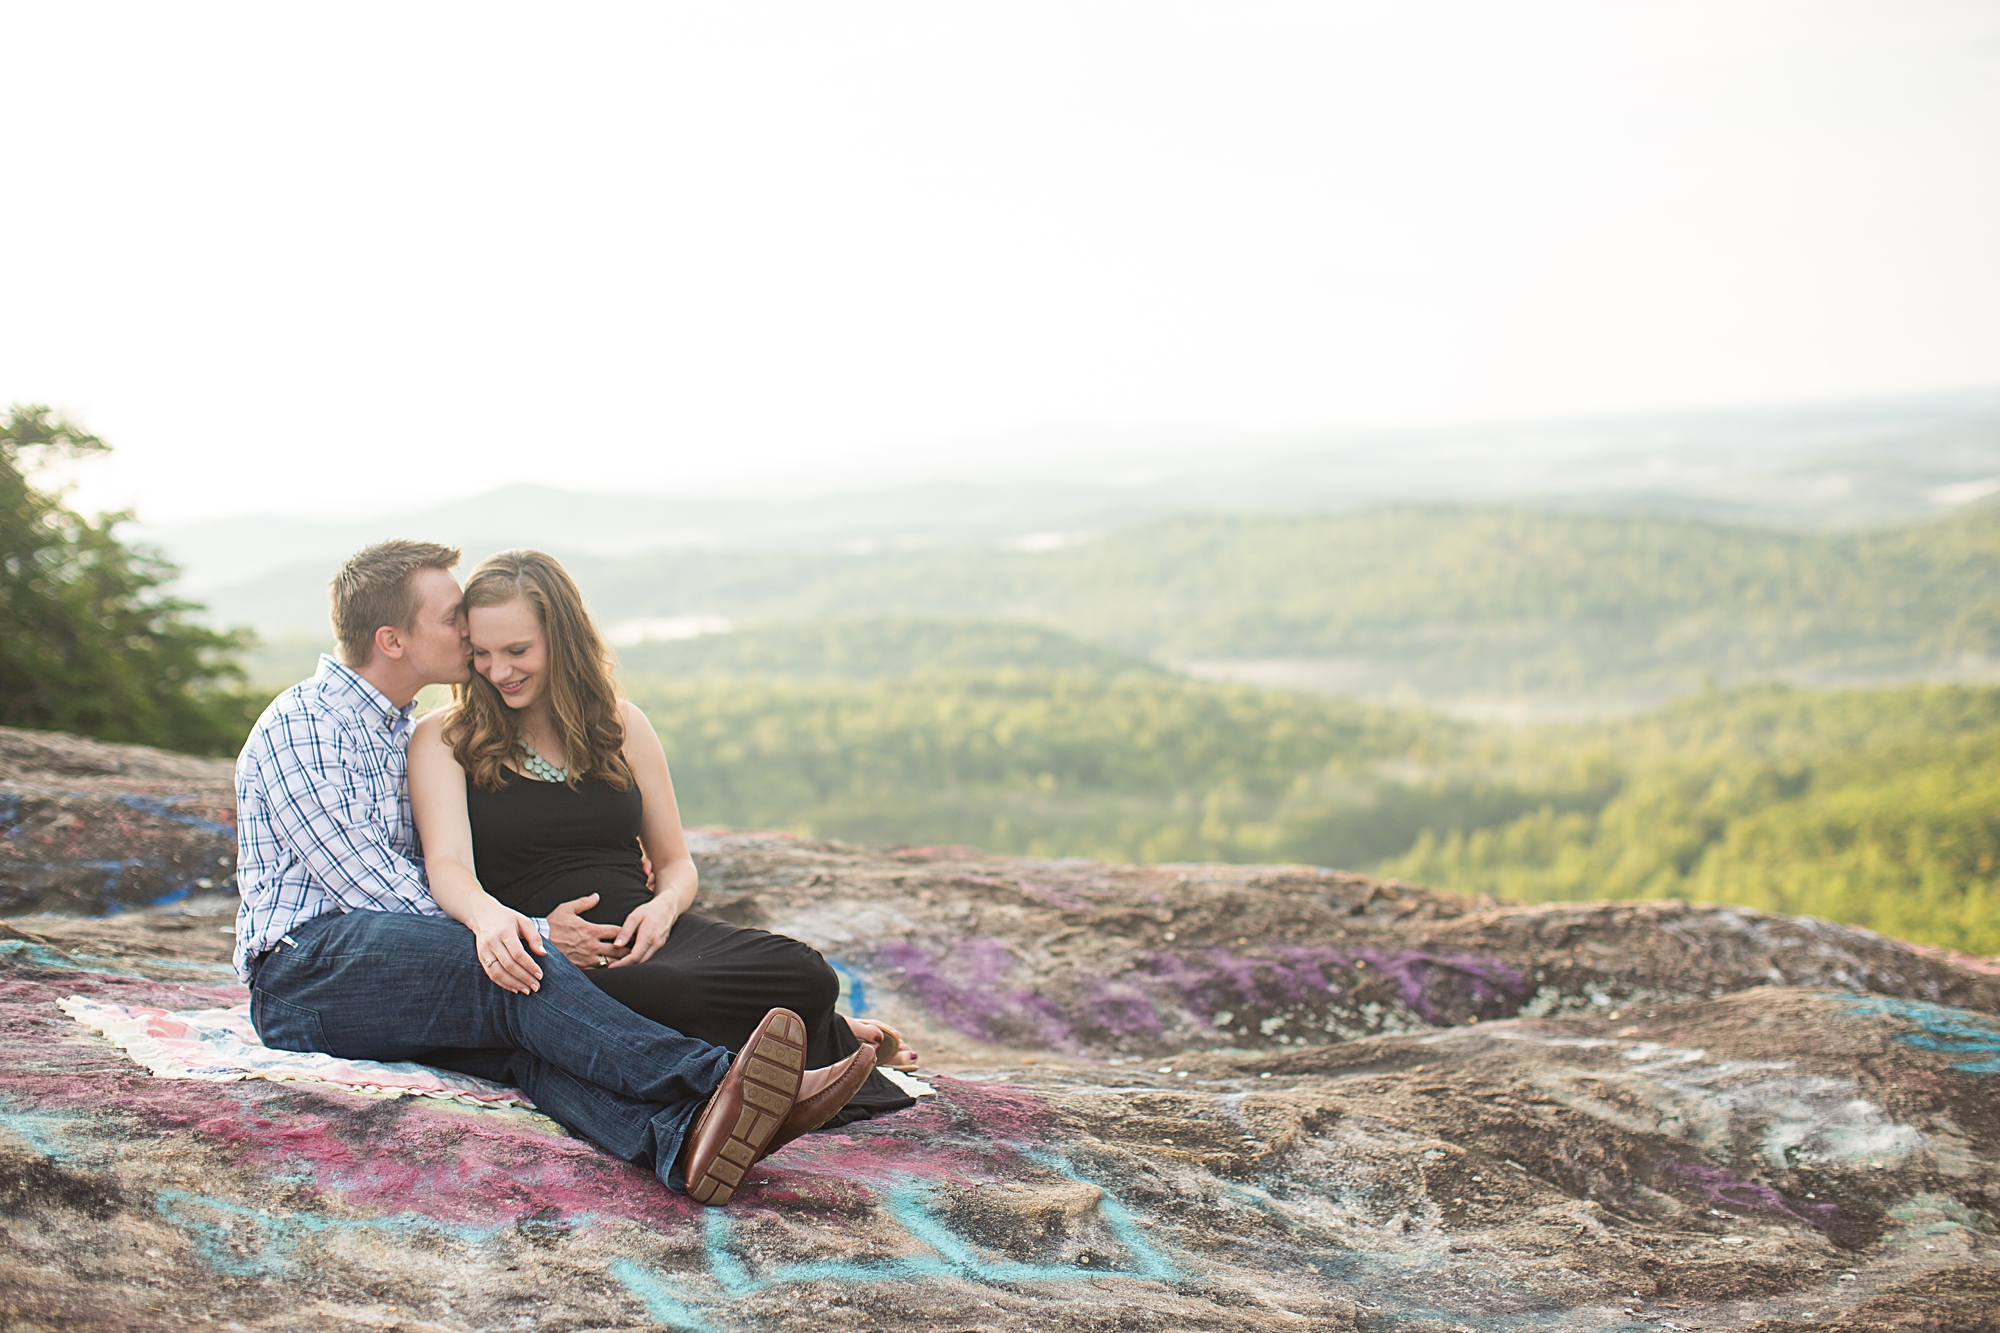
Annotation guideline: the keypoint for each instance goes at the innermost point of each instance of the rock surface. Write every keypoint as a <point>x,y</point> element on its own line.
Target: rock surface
<point>1169,1097</point>
<point>92,828</point>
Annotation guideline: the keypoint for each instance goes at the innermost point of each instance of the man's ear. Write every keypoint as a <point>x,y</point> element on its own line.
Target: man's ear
<point>389,641</point>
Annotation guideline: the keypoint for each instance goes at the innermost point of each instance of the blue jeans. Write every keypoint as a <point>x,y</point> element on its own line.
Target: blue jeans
<point>397,986</point>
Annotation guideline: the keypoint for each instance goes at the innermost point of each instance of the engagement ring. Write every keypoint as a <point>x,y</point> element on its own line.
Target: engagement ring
<point>604,960</point>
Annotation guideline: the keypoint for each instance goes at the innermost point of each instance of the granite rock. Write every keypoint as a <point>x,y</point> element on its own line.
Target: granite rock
<point>96,828</point>
<point>1168,1097</point>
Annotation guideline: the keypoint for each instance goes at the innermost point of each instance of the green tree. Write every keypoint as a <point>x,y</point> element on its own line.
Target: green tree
<point>89,640</point>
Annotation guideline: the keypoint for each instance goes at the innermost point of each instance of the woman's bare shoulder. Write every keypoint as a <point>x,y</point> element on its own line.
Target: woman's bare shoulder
<point>428,747</point>
<point>430,727</point>
<point>642,743</point>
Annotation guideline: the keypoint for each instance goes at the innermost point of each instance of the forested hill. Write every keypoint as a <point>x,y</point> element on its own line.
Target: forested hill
<point>1260,586</point>
<point>1426,604</point>
<point>872,650</point>
<point>1876,807</point>
<point>1514,600</point>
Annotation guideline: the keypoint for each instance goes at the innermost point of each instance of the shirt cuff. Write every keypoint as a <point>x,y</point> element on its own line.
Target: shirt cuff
<point>542,925</point>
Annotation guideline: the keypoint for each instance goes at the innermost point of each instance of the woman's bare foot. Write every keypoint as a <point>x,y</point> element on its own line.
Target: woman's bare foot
<point>890,1050</point>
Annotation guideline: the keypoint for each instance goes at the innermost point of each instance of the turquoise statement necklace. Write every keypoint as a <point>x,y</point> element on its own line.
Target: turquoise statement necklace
<point>537,767</point>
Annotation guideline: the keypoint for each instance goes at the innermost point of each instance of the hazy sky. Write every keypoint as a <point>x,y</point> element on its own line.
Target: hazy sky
<point>329,259</point>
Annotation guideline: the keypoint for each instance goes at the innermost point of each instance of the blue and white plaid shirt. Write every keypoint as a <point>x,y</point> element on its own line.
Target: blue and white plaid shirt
<point>323,811</point>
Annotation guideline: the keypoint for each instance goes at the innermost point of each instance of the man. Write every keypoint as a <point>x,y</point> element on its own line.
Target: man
<point>346,952</point>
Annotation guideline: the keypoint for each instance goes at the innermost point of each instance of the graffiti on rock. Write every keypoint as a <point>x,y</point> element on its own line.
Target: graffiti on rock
<point>1121,1007</point>
<point>966,988</point>
<point>239,1240</point>
<point>853,988</point>
<point>1720,1187</point>
<point>48,1131</point>
<point>1267,982</point>
<point>1955,1031</point>
<point>194,814</point>
<point>1538,1174</point>
<point>250,1242</point>
<point>1283,993</point>
<point>935,1251</point>
<point>1819,1121</point>
<point>73,850</point>
<point>40,955</point>
<point>662,1305</point>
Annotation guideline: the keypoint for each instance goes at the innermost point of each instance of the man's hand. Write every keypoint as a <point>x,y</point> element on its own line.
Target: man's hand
<point>584,943</point>
<point>505,939</point>
<point>646,930</point>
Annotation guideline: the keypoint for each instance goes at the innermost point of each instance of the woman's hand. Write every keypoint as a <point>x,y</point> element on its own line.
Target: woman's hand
<point>646,930</point>
<point>505,940</point>
<point>584,943</point>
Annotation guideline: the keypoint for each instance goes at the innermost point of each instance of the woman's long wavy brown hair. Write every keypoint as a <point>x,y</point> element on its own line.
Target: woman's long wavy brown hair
<point>577,674</point>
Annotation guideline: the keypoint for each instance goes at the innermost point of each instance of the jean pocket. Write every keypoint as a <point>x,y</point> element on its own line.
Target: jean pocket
<point>285,1026</point>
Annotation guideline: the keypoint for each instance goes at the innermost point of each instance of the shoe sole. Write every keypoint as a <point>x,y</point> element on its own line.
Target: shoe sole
<point>773,1062</point>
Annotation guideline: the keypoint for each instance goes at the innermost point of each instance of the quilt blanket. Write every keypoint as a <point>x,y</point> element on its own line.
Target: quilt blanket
<point>219,1045</point>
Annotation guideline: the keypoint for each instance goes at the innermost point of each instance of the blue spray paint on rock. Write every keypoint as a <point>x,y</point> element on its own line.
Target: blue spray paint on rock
<point>1954,1031</point>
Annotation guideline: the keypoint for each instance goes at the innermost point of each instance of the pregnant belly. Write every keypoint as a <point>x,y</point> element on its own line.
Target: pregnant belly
<point>619,890</point>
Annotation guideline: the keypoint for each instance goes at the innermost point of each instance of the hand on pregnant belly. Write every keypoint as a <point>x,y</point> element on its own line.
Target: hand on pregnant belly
<point>645,930</point>
<point>584,943</point>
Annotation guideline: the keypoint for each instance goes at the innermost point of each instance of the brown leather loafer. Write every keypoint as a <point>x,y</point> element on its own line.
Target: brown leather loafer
<point>755,1099</point>
<point>822,1092</point>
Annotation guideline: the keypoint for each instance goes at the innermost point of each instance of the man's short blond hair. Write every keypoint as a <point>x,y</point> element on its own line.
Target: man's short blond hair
<point>373,589</point>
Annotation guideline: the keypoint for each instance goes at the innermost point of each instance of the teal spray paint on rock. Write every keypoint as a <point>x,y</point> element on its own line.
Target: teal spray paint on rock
<point>1956,1031</point>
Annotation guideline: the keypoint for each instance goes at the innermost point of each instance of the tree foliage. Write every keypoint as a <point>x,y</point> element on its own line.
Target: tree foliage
<point>89,640</point>
<point>1876,807</point>
<point>1880,808</point>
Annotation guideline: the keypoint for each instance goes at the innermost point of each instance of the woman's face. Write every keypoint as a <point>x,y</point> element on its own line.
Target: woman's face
<point>510,649</point>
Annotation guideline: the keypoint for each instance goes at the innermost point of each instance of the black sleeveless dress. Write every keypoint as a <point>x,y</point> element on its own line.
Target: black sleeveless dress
<point>537,845</point>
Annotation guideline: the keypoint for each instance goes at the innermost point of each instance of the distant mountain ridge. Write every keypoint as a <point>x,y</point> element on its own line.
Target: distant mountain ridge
<point>1455,600</point>
<point>1629,560</point>
<point>1839,465</point>
<point>1432,603</point>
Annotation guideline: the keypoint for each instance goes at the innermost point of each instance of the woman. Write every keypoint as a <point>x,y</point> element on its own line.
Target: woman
<point>541,790</point>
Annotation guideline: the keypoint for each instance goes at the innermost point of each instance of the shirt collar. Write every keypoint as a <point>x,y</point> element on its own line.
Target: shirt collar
<point>342,684</point>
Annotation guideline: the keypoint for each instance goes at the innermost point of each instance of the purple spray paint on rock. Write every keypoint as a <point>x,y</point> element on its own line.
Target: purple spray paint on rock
<point>966,987</point>
<point>1723,1188</point>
